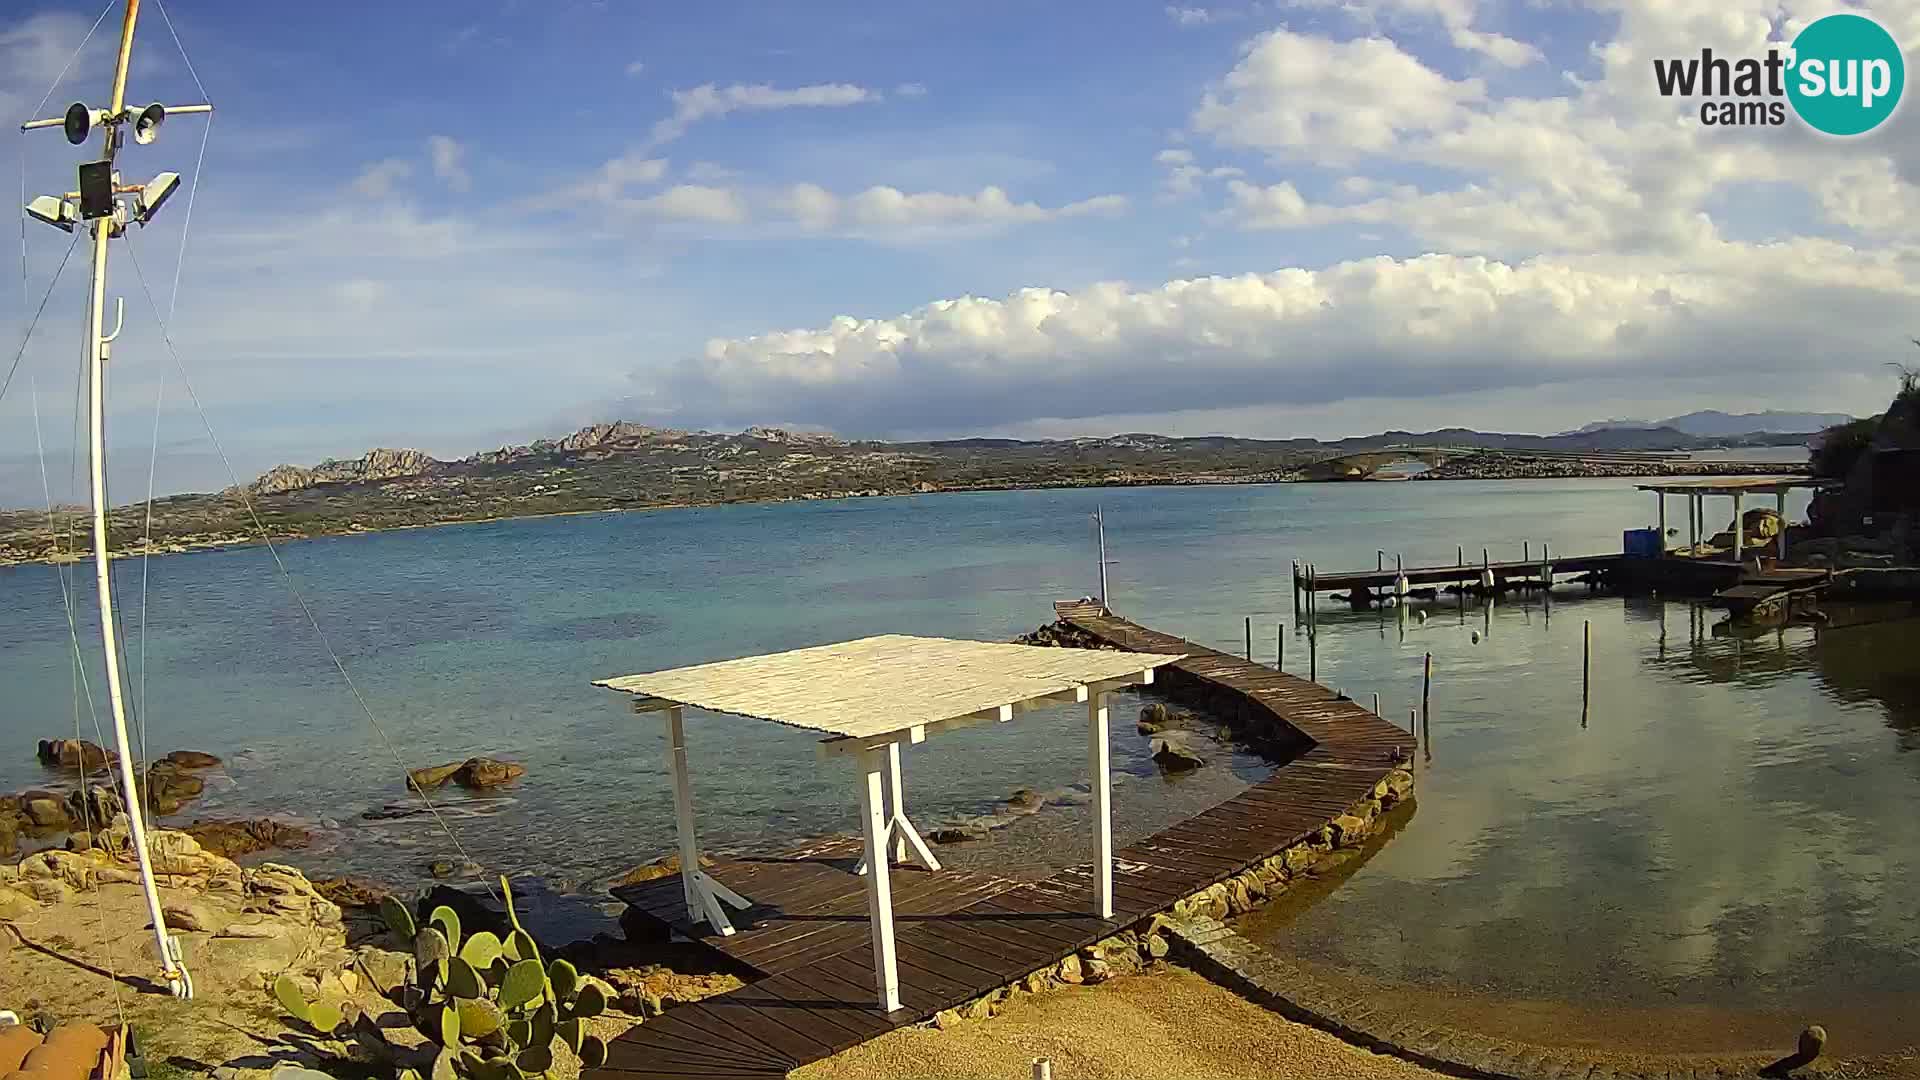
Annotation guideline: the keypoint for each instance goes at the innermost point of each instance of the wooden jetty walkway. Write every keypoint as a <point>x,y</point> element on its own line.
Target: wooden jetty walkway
<point>805,945</point>
<point>1382,580</point>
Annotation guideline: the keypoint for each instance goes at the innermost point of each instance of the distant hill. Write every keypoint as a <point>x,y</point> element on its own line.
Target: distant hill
<point>1714,424</point>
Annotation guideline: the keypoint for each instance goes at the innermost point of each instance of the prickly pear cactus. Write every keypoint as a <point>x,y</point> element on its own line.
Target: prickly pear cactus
<point>492,1006</point>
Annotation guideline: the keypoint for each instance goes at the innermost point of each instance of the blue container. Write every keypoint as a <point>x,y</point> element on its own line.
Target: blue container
<point>1641,543</point>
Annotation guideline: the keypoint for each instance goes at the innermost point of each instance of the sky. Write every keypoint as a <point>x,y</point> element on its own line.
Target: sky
<point>454,226</point>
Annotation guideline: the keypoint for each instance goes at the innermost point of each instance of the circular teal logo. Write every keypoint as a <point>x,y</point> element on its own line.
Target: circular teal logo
<point>1847,74</point>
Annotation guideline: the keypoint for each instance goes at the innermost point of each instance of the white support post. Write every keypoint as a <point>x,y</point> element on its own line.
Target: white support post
<point>696,887</point>
<point>1780,508</point>
<point>1102,786</point>
<point>1739,530</point>
<point>896,803</point>
<point>904,843</point>
<point>1693,521</point>
<point>873,827</point>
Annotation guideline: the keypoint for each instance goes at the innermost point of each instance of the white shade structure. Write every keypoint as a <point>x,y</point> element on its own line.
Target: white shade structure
<point>868,696</point>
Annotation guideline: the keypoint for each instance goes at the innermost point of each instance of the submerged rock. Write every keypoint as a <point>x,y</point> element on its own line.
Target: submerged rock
<point>666,866</point>
<point>1154,717</point>
<point>191,759</point>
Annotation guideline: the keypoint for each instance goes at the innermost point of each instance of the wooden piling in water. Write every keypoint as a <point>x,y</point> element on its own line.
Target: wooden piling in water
<point>1280,646</point>
<point>1426,687</point>
<point>1376,704</point>
<point>1586,667</point>
<point>1249,639</point>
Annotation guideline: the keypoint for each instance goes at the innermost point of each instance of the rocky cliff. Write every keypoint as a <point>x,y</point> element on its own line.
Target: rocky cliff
<point>379,464</point>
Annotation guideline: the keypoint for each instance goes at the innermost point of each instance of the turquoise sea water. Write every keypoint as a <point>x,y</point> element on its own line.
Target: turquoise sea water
<point>1734,818</point>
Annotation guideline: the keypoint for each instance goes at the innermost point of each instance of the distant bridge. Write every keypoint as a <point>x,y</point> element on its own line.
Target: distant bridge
<point>1364,464</point>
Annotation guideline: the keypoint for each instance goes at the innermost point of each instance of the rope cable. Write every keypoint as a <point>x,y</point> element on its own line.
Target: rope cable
<point>80,683</point>
<point>78,49</point>
<point>27,338</point>
<point>293,587</point>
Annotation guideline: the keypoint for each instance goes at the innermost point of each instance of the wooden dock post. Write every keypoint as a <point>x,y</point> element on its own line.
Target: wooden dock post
<point>1526,551</point>
<point>1376,703</point>
<point>1586,667</point>
<point>1413,728</point>
<point>1460,554</point>
<point>1426,686</point>
<point>1279,646</point>
<point>1380,556</point>
<point>1249,639</point>
<point>1296,590</point>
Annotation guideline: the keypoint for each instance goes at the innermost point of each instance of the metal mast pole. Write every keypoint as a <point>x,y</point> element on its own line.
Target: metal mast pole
<point>1100,524</point>
<point>97,352</point>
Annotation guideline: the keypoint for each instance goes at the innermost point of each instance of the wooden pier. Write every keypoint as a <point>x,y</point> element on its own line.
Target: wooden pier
<point>1383,580</point>
<point>805,945</point>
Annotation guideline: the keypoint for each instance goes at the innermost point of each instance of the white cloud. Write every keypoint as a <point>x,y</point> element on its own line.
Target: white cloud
<point>378,180</point>
<point>635,67</point>
<point>1499,48</point>
<point>449,161</point>
<point>613,179</point>
<point>1437,323</point>
<point>708,101</point>
<point>690,202</point>
<point>910,90</point>
<point>1294,93</point>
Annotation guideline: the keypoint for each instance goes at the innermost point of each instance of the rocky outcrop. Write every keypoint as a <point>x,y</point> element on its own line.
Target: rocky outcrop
<point>1174,751</point>
<point>191,759</point>
<point>793,438</point>
<point>73,754</point>
<point>617,435</point>
<point>235,838</point>
<point>379,464</point>
<point>475,772</point>
<point>169,788</point>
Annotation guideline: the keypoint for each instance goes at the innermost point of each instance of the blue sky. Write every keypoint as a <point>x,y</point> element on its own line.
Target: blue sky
<point>455,225</point>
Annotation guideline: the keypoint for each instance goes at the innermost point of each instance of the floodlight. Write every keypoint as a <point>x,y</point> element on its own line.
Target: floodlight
<point>146,124</point>
<point>78,123</point>
<point>96,189</point>
<point>55,212</point>
<point>154,194</point>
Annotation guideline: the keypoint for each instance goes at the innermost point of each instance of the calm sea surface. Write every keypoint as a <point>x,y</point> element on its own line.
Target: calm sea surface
<point>1734,821</point>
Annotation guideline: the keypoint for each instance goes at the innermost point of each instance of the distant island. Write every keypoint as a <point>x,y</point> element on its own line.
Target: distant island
<point>628,466</point>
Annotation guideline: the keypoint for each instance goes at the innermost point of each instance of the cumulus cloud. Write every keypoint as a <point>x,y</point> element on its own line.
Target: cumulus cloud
<point>1383,326</point>
<point>889,208</point>
<point>708,101</point>
<point>449,161</point>
<point>378,180</point>
<point>1295,93</point>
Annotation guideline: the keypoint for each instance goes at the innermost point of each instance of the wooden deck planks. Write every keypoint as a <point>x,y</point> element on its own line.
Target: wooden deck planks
<point>962,934</point>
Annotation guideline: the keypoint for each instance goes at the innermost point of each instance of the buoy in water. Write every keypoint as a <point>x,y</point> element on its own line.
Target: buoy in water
<point>1476,637</point>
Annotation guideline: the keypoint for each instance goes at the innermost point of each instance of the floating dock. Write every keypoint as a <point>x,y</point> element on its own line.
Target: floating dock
<point>805,945</point>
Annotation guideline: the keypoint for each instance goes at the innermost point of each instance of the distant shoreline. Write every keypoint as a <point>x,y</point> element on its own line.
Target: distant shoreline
<point>232,542</point>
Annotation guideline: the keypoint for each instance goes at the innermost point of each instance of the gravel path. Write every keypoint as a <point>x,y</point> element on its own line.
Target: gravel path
<point>1166,1025</point>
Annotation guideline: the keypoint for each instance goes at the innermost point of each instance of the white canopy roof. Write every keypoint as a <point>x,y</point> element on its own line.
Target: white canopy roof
<point>881,685</point>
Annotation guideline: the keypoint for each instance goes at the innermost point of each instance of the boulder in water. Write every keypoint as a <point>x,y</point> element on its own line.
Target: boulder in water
<point>484,772</point>
<point>73,754</point>
<point>475,772</point>
<point>234,838</point>
<point>1153,718</point>
<point>191,759</point>
<point>1174,753</point>
<point>170,788</point>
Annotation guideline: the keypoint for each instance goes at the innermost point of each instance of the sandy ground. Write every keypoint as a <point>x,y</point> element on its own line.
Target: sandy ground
<point>1166,1025</point>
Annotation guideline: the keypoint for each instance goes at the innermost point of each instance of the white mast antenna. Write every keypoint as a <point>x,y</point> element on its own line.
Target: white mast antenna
<point>108,205</point>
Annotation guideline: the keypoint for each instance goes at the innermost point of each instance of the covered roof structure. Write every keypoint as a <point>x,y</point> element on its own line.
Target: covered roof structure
<point>1729,485</point>
<point>868,697</point>
<point>1696,488</point>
